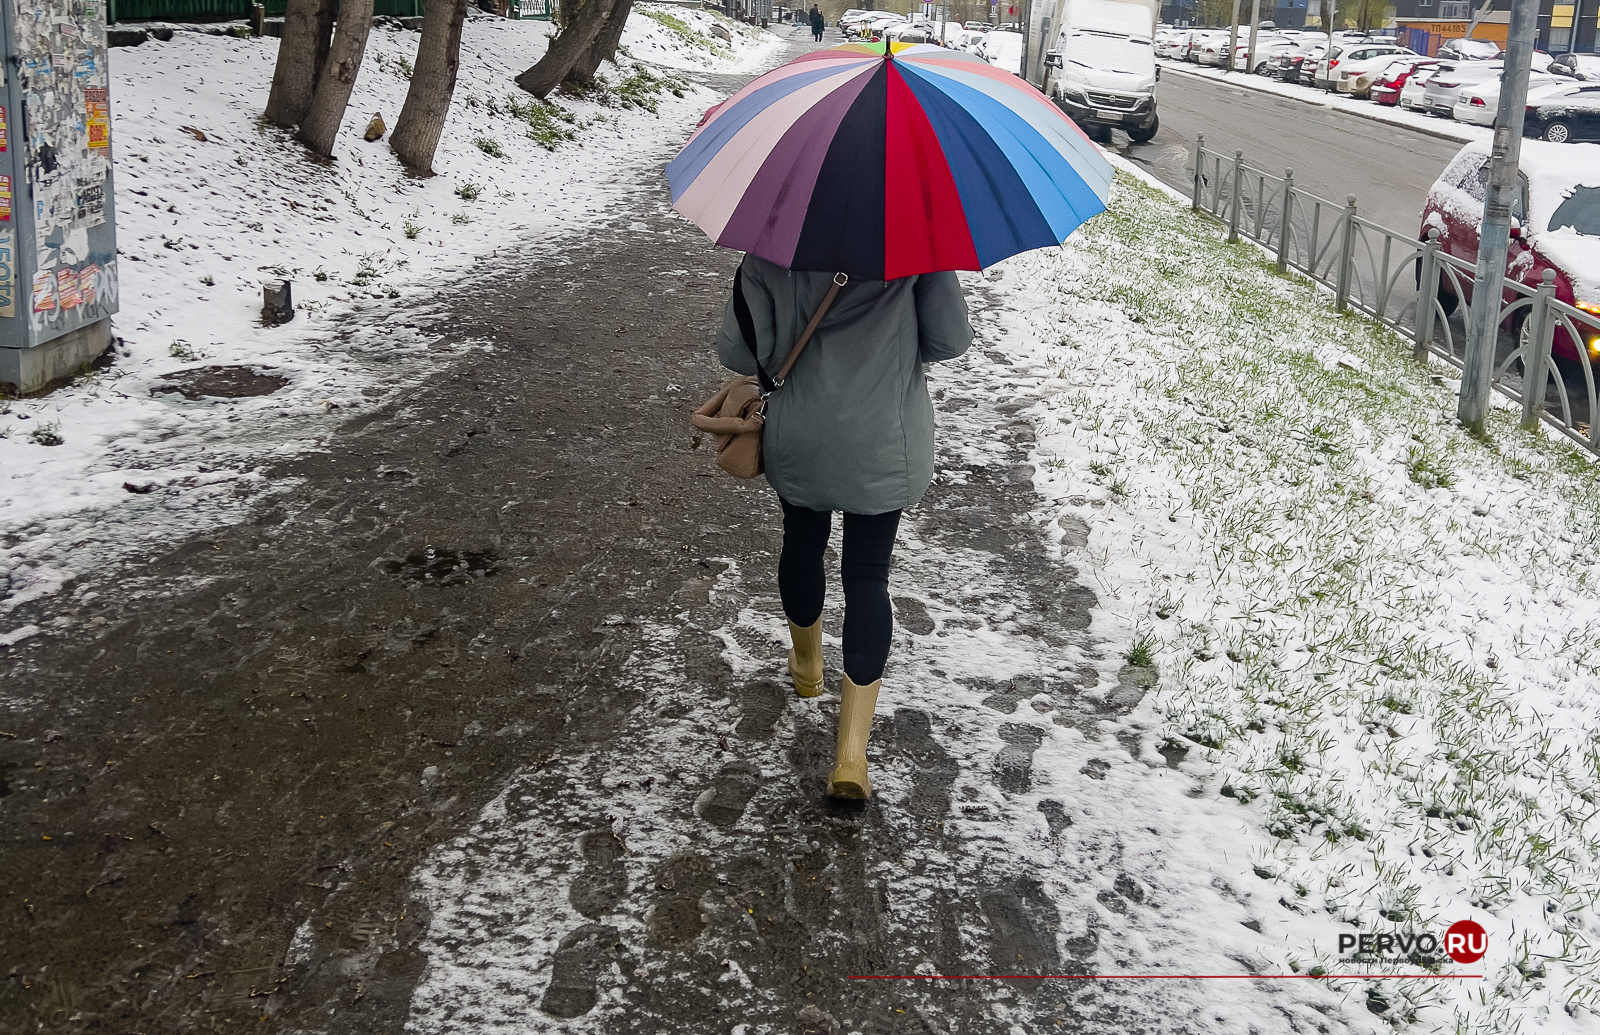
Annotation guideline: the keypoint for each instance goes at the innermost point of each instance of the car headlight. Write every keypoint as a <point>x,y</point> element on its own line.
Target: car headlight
<point>1592,308</point>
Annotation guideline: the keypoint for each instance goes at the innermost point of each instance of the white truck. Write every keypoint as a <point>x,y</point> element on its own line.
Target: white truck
<point>1102,71</point>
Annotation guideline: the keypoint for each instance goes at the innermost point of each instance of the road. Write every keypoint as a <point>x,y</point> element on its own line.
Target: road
<point>1333,154</point>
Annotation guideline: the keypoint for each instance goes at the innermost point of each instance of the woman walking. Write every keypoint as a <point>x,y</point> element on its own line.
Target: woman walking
<point>818,23</point>
<point>850,429</point>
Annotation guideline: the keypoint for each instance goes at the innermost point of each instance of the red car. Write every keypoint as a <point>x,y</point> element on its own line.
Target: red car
<point>1557,228</point>
<point>1386,89</point>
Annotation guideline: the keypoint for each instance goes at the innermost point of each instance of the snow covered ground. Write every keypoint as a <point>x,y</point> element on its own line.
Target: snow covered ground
<point>211,203</point>
<point>1446,128</point>
<point>1376,641</point>
<point>1378,637</point>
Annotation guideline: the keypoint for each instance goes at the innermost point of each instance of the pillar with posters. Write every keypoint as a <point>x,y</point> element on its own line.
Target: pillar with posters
<point>58,242</point>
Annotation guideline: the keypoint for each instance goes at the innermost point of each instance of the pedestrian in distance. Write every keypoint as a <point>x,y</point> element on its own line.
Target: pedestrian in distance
<point>849,429</point>
<point>818,23</point>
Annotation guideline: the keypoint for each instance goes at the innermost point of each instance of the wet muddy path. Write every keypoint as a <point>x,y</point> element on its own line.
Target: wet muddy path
<point>480,724</point>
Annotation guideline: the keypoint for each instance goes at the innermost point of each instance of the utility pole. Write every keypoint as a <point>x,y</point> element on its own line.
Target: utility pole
<point>1483,320</point>
<point>1233,38</point>
<point>1255,22</point>
<point>1027,34</point>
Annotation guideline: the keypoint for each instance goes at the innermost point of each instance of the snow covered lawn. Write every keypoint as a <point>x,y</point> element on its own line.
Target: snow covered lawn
<point>211,203</point>
<point>1377,635</point>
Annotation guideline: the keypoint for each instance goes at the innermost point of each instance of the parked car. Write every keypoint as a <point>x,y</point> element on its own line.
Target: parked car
<point>1264,44</point>
<point>1468,50</point>
<point>1444,89</point>
<point>976,26</point>
<point>1354,58</point>
<point>855,23</point>
<point>1172,45</point>
<point>966,39</point>
<point>1002,50</point>
<point>1476,105</point>
<point>1197,41</point>
<point>1387,85</point>
<point>1576,66</point>
<point>911,34</point>
<point>879,24</point>
<point>1564,115</point>
<point>1557,227</point>
<point>1416,88</point>
<point>1213,49</point>
<point>1293,66</point>
<point>1348,78</point>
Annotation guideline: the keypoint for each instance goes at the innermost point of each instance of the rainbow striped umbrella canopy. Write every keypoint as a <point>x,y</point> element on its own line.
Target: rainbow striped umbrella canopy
<point>885,163</point>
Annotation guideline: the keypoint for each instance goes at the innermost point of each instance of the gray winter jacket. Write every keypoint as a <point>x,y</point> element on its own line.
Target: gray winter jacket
<point>852,428</point>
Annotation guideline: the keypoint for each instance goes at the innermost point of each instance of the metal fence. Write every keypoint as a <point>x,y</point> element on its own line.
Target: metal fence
<point>1411,284</point>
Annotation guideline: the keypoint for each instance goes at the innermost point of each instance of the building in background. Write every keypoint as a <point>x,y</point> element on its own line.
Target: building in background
<point>1563,27</point>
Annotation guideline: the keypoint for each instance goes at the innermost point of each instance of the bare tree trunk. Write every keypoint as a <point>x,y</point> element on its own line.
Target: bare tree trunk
<point>583,25</point>
<point>416,133</point>
<point>604,47</point>
<point>307,32</point>
<point>321,124</point>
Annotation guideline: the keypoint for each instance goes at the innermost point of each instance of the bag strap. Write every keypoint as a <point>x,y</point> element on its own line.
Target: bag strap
<point>839,281</point>
<point>747,328</point>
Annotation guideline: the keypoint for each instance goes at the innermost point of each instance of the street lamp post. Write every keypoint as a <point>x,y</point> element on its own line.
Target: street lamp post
<point>1483,319</point>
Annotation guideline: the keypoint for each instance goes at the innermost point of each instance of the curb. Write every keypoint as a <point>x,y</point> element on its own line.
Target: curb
<point>1440,134</point>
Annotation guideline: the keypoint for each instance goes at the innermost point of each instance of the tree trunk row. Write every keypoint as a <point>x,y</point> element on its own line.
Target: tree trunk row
<point>590,32</point>
<point>604,47</point>
<point>307,35</point>
<point>320,126</point>
<point>433,83</point>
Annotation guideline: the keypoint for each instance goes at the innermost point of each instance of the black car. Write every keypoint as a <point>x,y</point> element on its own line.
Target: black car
<point>1300,64</point>
<point>1566,116</point>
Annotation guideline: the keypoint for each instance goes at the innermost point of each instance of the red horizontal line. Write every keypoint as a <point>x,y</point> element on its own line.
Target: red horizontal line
<point>1142,977</point>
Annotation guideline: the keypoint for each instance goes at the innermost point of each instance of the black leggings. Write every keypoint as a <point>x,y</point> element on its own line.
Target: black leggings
<point>868,548</point>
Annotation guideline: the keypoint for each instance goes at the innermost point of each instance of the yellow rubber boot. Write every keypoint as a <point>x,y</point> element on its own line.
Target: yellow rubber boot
<point>856,705</point>
<point>805,658</point>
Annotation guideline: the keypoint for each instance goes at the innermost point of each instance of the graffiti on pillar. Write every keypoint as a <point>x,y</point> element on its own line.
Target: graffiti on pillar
<point>8,273</point>
<point>65,137</point>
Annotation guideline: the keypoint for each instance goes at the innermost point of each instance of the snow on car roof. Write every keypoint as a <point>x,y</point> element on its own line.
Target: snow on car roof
<point>1555,172</point>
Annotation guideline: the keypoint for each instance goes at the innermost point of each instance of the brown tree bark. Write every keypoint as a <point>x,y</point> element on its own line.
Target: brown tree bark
<point>604,47</point>
<point>582,27</point>
<point>433,82</point>
<point>321,124</point>
<point>307,33</point>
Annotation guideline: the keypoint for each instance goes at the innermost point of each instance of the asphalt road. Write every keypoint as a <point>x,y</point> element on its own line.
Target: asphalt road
<point>1333,154</point>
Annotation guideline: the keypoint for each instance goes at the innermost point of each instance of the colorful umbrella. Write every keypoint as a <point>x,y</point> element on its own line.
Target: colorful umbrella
<point>882,164</point>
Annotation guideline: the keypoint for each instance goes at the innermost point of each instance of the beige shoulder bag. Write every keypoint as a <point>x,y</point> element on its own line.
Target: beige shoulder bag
<point>737,413</point>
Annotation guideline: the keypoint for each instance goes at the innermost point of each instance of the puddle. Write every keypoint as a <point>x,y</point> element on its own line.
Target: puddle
<point>444,567</point>
<point>221,383</point>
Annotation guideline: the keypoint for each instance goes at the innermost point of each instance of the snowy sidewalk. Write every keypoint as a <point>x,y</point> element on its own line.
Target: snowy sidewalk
<point>175,429</point>
<point>1217,642</point>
